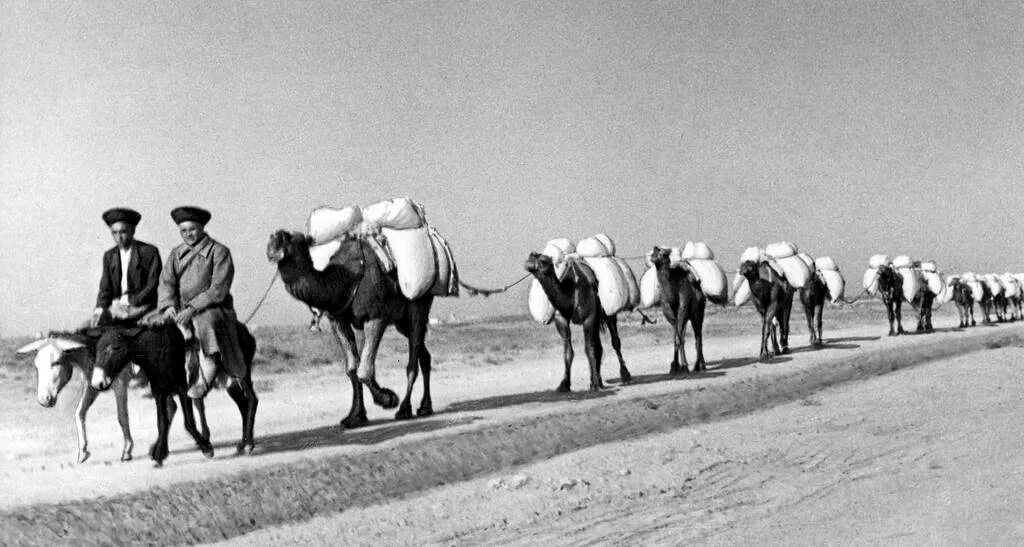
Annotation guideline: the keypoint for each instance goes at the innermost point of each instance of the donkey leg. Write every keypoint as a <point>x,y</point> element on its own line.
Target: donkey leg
<point>613,332</point>
<point>120,388</point>
<point>88,397</point>
<point>200,406</point>
<point>158,451</point>
<point>190,426</point>
<point>562,325</point>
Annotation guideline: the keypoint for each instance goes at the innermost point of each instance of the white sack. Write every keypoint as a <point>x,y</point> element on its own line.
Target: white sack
<point>607,242</point>
<point>877,261</point>
<point>870,281</point>
<point>929,266</point>
<point>591,247</point>
<point>912,282</point>
<point>631,284</point>
<point>825,263</point>
<point>741,290</point>
<point>993,284</point>
<point>414,260</point>
<point>902,261</point>
<point>977,291</point>
<point>835,283</point>
<point>934,281</point>
<point>1010,287</point>
<point>612,287</point>
<point>447,282</point>
<point>559,251</point>
<point>795,270</point>
<point>650,289</point>
<point>698,250</point>
<point>807,260</point>
<point>397,214</point>
<point>753,254</point>
<point>327,223</point>
<point>321,254</point>
<point>541,308</point>
<point>781,249</point>
<point>712,279</point>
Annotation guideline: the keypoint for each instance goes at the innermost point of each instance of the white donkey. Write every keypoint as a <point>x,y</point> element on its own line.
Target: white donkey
<point>57,355</point>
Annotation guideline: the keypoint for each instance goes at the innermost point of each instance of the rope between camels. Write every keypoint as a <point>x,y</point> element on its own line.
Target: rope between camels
<point>474,291</point>
<point>855,299</point>
<point>263,299</point>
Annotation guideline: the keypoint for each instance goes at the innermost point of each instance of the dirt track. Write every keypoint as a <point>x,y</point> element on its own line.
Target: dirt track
<point>905,458</point>
<point>509,420</point>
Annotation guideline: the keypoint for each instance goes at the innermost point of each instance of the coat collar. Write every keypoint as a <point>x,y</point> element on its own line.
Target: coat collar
<point>205,247</point>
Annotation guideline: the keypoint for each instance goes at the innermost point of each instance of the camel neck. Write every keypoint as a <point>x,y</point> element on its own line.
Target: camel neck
<point>560,293</point>
<point>327,290</point>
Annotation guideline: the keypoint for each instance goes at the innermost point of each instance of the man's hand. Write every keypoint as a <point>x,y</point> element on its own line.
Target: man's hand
<point>95,320</point>
<point>185,316</point>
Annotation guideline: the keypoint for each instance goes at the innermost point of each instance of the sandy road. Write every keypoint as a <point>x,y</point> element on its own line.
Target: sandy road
<point>929,455</point>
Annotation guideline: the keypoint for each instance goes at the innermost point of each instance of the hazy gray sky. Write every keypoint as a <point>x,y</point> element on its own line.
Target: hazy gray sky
<point>849,128</point>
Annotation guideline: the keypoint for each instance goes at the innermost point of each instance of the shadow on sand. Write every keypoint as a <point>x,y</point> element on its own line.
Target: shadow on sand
<point>546,396</point>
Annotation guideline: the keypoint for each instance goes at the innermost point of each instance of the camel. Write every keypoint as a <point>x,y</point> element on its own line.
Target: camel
<point>813,296</point>
<point>986,303</point>
<point>682,301</point>
<point>773,298</point>
<point>923,302</point>
<point>890,288</point>
<point>576,301</point>
<point>964,301</point>
<point>358,295</point>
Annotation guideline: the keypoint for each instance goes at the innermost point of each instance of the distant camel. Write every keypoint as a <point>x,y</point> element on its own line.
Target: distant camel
<point>813,296</point>
<point>576,301</point>
<point>890,287</point>
<point>356,293</point>
<point>773,298</point>
<point>964,301</point>
<point>682,301</point>
<point>923,301</point>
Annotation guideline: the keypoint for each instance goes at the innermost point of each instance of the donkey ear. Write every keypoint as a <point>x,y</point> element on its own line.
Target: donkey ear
<point>33,346</point>
<point>91,332</point>
<point>66,344</point>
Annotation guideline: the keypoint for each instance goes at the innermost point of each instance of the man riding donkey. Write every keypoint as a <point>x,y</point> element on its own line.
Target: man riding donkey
<point>131,272</point>
<point>195,292</point>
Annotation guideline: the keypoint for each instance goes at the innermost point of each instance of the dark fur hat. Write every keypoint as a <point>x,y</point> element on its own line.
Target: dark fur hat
<point>186,213</point>
<point>121,214</point>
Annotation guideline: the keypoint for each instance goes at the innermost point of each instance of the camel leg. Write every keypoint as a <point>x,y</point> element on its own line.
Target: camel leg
<point>426,404</point>
<point>785,310</point>
<point>805,300</point>
<point>120,389</point>
<point>347,340</point>
<point>613,332</point>
<point>411,372</point>
<point>766,333</point>
<point>200,406</point>
<point>697,322</point>
<point>899,316</point>
<point>598,354</point>
<point>562,326</point>
<point>373,330</point>
<point>819,311</point>
<point>88,397</point>
<point>591,335</point>
<point>680,343</point>
<point>891,312</point>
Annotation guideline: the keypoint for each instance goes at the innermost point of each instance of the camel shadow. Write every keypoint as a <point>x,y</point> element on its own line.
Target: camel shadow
<point>853,339</point>
<point>665,377</point>
<point>335,435</point>
<point>746,361</point>
<point>827,345</point>
<point>546,396</point>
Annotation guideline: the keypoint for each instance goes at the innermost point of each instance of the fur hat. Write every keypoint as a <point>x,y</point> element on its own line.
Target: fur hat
<point>121,214</point>
<point>187,213</point>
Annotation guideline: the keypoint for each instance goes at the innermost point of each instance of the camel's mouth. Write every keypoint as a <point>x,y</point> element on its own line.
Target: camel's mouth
<point>274,254</point>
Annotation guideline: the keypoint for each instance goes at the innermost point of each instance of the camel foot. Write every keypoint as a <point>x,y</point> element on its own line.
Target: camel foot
<point>675,369</point>
<point>596,387</point>
<point>84,455</point>
<point>244,448</point>
<point>701,366</point>
<point>563,387</point>
<point>158,464</point>
<point>353,421</point>
<point>624,376</point>
<point>158,455</point>
<point>126,456</point>
<point>785,350</point>
<point>425,410</point>
<point>385,398</point>
<point>207,450</point>
<point>404,412</point>
<point>765,357</point>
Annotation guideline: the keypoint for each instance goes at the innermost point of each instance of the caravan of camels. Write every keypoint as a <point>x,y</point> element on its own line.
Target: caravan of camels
<point>368,268</point>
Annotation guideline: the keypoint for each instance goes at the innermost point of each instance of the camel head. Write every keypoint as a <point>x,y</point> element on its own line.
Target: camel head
<point>538,263</point>
<point>749,269</point>
<point>660,257</point>
<point>283,244</point>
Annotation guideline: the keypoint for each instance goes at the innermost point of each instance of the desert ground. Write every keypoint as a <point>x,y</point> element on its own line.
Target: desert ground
<point>870,439</point>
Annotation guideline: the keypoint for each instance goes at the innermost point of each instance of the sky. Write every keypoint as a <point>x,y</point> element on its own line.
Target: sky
<point>848,128</point>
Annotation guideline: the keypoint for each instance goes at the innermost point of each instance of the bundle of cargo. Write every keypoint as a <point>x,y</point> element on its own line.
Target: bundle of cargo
<point>912,280</point>
<point>828,270</point>
<point>740,286</point>
<point>932,278</point>
<point>699,259</point>
<point>616,285</point>
<point>1011,289</point>
<point>993,284</point>
<point>975,283</point>
<point>398,232</point>
<point>947,290</point>
<point>540,306</point>
<point>870,281</point>
<point>785,255</point>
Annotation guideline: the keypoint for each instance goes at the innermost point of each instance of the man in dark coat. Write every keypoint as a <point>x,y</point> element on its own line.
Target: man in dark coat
<point>131,271</point>
<point>195,291</point>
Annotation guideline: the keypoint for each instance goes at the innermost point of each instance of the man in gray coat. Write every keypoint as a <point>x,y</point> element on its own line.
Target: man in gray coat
<point>195,291</point>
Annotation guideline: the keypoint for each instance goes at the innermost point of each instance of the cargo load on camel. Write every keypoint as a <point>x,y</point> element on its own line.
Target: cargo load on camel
<point>398,231</point>
<point>617,288</point>
<point>699,259</point>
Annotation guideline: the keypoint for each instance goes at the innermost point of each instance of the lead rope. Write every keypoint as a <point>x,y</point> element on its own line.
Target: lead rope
<point>476,291</point>
<point>277,273</point>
